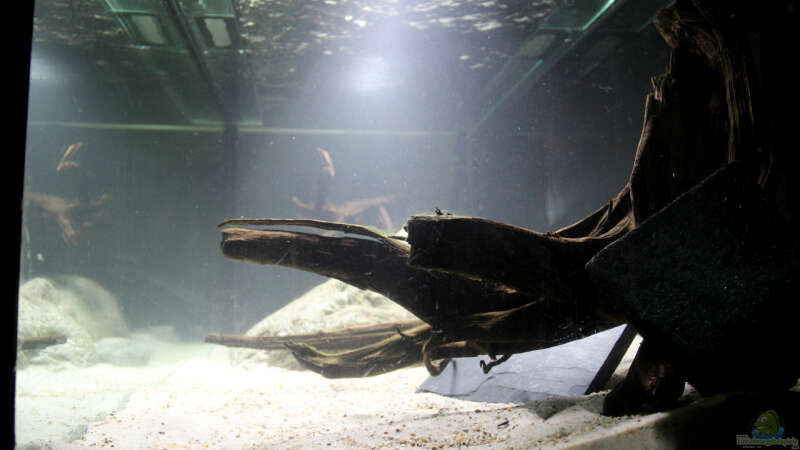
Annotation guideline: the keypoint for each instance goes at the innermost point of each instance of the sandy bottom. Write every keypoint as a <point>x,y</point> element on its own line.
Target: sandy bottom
<point>189,396</point>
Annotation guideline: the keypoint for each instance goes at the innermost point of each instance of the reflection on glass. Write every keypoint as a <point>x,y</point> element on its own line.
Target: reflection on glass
<point>150,122</point>
<point>149,28</point>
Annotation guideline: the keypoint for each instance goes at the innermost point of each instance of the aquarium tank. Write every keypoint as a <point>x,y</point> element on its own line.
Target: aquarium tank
<point>227,207</point>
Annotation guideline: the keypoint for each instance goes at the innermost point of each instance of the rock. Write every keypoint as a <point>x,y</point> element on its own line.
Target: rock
<point>329,306</point>
<point>74,307</point>
<point>712,279</point>
<point>39,315</point>
<point>91,305</point>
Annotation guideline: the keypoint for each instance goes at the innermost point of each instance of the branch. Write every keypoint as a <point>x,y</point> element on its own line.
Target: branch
<point>395,352</point>
<point>376,264</point>
<point>346,338</point>
<point>532,327</point>
<point>322,225</point>
<point>465,316</point>
<point>613,215</point>
<point>392,353</point>
<point>41,341</point>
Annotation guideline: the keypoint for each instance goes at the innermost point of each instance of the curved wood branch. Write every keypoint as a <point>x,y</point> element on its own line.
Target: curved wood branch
<point>347,338</point>
<point>323,225</point>
<point>395,352</point>
<point>533,326</point>
<point>467,316</point>
<point>377,265</point>
<point>416,345</point>
<point>41,341</point>
<point>614,214</point>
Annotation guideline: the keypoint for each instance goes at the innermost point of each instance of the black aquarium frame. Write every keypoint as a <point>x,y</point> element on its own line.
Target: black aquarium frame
<point>17,73</point>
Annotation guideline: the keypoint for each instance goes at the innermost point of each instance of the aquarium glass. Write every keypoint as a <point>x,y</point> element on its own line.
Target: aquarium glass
<point>152,122</point>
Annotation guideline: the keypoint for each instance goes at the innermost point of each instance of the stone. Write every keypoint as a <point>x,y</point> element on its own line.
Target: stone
<point>39,315</point>
<point>92,306</point>
<point>71,306</point>
<point>712,280</point>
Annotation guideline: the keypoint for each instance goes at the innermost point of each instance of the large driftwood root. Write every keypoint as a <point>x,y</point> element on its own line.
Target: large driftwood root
<point>492,309</point>
<point>482,287</point>
<point>464,314</point>
<point>706,111</point>
<point>367,260</point>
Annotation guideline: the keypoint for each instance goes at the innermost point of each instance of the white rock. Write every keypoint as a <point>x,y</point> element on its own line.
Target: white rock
<point>72,306</point>
<point>91,305</point>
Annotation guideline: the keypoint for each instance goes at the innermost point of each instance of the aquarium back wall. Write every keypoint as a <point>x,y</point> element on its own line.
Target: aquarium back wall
<point>543,157</point>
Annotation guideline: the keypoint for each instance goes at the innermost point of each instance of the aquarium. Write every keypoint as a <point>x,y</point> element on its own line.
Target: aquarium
<point>227,203</point>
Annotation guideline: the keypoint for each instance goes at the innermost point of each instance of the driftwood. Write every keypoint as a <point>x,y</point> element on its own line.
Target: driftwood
<point>40,341</point>
<point>473,313</point>
<point>495,308</point>
<point>464,316</point>
<point>347,338</point>
<point>707,110</point>
<point>368,260</point>
<point>538,264</point>
<point>483,287</point>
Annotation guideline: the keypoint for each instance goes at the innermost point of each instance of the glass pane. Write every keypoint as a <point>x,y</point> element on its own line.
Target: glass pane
<point>150,123</point>
<point>149,28</point>
<point>219,32</point>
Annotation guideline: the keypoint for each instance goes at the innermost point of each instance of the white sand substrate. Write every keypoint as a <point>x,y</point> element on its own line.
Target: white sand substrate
<point>190,397</point>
